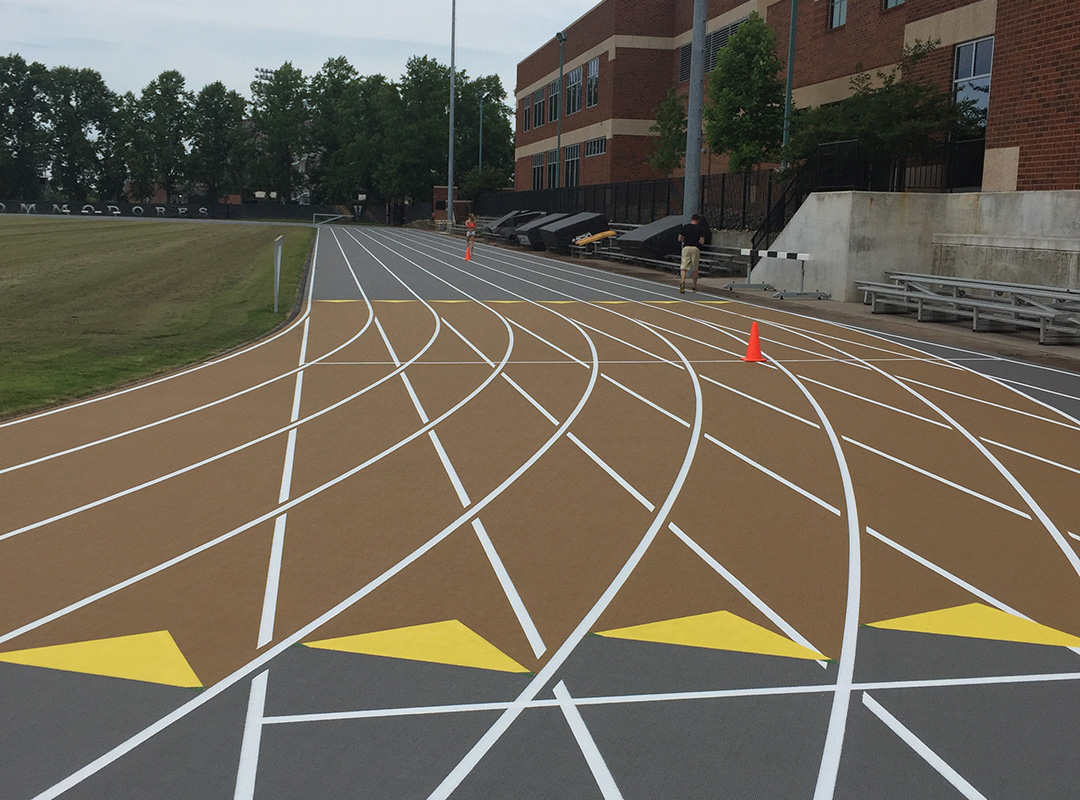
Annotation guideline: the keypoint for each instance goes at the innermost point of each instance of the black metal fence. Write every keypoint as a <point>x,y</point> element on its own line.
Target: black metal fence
<point>946,167</point>
<point>730,201</point>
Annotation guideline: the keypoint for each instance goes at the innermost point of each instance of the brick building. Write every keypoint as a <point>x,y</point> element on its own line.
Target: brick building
<point>1019,58</point>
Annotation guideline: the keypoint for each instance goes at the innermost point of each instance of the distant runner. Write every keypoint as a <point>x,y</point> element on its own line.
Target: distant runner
<point>692,237</point>
<point>470,235</point>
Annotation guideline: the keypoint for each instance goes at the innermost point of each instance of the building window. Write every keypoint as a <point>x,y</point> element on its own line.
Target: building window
<point>538,171</point>
<point>837,13</point>
<point>595,147</point>
<point>571,156</point>
<point>552,169</point>
<point>893,3</point>
<point>592,83</point>
<point>553,100</point>
<point>538,108</point>
<point>526,113</point>
<point>971,75</point>
<point>573,91</point>
<point>713,43</point>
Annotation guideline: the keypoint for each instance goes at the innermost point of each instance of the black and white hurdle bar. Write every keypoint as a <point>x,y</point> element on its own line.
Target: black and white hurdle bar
<point>802,258</point>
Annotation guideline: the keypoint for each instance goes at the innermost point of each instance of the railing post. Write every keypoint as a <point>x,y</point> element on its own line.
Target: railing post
<point>723,198</point>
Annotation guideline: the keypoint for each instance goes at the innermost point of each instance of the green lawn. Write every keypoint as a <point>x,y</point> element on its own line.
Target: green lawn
<point>86,305</point>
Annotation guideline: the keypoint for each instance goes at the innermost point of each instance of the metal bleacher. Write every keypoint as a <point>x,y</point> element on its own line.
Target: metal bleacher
<point>990,305</point>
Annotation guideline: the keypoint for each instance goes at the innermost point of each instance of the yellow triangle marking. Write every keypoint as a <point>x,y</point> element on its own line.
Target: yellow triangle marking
<point>978,621</point>
<point>717,630</point>
<point>447,642</point>
<point>150,657</point>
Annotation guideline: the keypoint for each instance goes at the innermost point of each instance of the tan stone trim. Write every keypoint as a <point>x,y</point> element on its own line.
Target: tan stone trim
<point>725,19</point>
<point>1001,168</point>
<point>959,25</point>
<point>607,129</point>
<point>818,94</point>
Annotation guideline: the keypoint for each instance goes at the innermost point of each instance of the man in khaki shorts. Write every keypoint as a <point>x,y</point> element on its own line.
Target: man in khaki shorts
<point>692,237</point>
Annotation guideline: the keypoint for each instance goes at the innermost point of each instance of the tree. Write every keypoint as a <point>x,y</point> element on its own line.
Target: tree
<point>282,135</point>
<point>80,106</point>
<point>897,117</point>
<point>745,114</point>
<point>498,162</point>
<point>337,121</point>
<point>670,129</point>
<point>164,110</point>
<point>24,139</point>
<point>218,140</point>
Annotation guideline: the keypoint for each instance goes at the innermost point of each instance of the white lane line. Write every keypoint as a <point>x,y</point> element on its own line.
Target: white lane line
<point>599,768</point>
<point>273,583</point>
<point>615,338</point>
<point>469,344</point>
<point>283,332</point>
<point>530,398</point>
<point>249,745</point>
<point>553,346</point>
<point>1044,390</point>
<point>746,459</point>
<point>761,402</point>
<point>745,591</point>
<point>922,750</point>
<point>1010,409</point>
<point>510,590</point>
<point>875,402</point>
<point>1057,464</point>
<point>133,742</point>
<point>646,401</point>
<point>611,472</point>
<point>938,478</point>
<point>673,697</point>
<point>451,473</point>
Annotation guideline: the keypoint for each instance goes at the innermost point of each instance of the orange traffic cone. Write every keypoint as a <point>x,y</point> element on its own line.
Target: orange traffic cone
<point>753,349</point>
<point>468,254</point>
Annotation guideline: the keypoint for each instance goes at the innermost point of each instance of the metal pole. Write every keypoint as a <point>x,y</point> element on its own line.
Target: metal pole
<point>790,71</point>
<point>561,36</point>
<point>692,182</point>
<point>450,164</point>
<point>277,270</point>
<point>480,160</point>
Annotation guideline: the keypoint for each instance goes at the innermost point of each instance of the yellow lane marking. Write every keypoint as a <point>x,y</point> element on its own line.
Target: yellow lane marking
<point>447,642</point>
<point>150,657</point>
<point>978,621</point>
<point>717,630</point>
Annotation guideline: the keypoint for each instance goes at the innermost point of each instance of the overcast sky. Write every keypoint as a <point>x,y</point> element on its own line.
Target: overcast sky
<point>130,42</point>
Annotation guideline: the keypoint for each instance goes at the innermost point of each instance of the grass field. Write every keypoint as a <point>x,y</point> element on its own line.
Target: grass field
<point>87,305</point>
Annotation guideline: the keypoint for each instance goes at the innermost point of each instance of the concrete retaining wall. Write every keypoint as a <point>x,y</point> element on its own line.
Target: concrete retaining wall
<point>1025,237</point>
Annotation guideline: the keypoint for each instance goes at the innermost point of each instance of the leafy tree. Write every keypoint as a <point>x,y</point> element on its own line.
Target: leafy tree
<point>218,140</point>
<point>745,114</point>
<point>337,121</point>
<point>112,174</point>
<point>892,117</point>
<point>282,135</point>
<point>480,180</point>
<point>164,108</point>
<point>80,107</point>
<point>498,163</point>
<point>417,123</point>
<point>24,139</point>
<point>670,129</point>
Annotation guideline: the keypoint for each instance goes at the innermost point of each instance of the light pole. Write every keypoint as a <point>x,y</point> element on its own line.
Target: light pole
<point>480,160</point>
<point>790,71</point>
<point>695,105</point>
<point>561,36</point>
<point>450,164</point>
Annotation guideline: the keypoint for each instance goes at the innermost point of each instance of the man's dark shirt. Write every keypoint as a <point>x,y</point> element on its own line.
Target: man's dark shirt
<point>692,235</point>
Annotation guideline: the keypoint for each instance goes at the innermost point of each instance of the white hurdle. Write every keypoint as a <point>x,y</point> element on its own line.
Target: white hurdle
<point>802,258</point>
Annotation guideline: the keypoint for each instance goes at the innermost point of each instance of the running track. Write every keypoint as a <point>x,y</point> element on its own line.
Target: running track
<point>530,453</point>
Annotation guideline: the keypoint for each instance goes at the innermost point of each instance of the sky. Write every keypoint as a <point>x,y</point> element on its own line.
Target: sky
<point>130,42</point>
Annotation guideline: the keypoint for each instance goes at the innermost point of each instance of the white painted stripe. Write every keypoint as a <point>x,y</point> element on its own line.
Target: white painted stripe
<point>536,642</point>
<point>646,401</point>
<point>593,758</point>
<point>761,402</point>
<point>553,346</point>
<point>1010,409</point>
<point>298,393</point>
<point>287,472</point>
<point>531,399</point>
<point>924,752</point>
<point>673,697</point>
<point>386,342</point>
<point>615,338</point>
<point>1042,389</point>
<point>1017,450</point>
<point>451,473</point>
<point>745,591</point>
<point>808,495</point>
<point>470,345</point>
<point>273,582</point>
<point>939,478</point>
<point>249,746</point>
<point>875,402</point>
<point>611,472</point>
